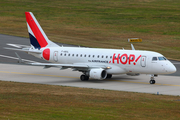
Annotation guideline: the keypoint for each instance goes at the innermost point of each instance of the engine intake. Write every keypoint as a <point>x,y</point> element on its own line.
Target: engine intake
<point>98,74</point>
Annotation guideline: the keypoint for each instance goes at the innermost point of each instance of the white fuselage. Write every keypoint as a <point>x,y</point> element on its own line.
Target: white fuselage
<point>119,61</point>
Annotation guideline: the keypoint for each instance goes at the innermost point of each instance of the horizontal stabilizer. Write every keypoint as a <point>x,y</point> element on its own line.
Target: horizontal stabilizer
<point>18,46</point>
<point>25,50</point>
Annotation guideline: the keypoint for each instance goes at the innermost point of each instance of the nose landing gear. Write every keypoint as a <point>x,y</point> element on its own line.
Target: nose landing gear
<point>152,81</point>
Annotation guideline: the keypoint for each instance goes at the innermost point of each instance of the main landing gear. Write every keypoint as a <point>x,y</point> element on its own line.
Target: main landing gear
<point>84,77</point>
<point>152,81</point>
<point>109,76</point>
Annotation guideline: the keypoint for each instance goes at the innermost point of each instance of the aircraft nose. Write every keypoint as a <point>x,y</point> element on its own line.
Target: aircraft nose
<point>172,69</point>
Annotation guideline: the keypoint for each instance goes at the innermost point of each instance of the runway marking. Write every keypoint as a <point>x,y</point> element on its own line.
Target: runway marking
<point>16,58</point>
<point>78,77</point>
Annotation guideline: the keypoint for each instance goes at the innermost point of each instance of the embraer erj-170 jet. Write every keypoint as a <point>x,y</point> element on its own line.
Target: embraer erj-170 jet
<point>94,63</point>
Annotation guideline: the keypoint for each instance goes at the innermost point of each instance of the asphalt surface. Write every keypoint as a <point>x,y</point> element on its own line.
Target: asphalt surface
<point>166,85</point>
<point>11,71</point>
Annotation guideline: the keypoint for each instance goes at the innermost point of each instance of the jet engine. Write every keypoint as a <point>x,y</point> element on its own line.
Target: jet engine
<point>98,74</point>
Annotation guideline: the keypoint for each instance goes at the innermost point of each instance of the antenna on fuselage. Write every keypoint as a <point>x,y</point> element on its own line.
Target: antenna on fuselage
<point>134,40</point>
<point>132,47</point>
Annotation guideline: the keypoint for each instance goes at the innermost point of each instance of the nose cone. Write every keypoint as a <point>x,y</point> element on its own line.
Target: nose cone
<point>172,69</point>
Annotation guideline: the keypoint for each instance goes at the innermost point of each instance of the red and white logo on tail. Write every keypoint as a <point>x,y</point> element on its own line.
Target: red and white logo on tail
<point>37,36</point>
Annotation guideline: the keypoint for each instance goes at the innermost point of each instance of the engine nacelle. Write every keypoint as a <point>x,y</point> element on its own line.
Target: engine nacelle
<point>98,74</point>
<point>133,74</point>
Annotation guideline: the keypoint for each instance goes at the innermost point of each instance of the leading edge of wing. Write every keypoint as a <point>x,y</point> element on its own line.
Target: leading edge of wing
<point>47,65</point>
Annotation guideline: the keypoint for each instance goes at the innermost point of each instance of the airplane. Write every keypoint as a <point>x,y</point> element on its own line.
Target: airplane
<point>94,63</point>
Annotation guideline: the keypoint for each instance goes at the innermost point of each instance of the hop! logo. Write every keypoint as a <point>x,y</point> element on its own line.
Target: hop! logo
<point>125,59</point>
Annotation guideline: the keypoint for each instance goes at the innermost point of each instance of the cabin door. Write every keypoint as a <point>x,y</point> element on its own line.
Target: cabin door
<point>143,61</point>
<point>55,56</point>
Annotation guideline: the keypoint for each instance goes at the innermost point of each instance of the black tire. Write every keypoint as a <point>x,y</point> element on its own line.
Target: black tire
<point>109,76</point>
<point>152,81</point>
<point>84,78</point>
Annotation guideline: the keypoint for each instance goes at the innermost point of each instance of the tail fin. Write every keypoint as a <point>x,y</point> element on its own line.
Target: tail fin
<point>36,34</point>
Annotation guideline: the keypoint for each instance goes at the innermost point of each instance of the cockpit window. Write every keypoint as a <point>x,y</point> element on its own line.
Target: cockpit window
<point>154,59</point>
<point>162,58</point>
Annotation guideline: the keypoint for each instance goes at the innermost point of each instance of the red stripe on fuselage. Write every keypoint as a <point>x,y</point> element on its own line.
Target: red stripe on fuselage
<point>138,58</point>
<point>40,38</point>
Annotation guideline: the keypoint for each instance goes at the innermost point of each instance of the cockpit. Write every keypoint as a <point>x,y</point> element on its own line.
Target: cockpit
<point>158,58</point>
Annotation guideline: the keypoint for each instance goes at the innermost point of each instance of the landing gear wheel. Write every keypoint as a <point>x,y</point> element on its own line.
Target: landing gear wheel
<point>152,81</point>
<point>84,78</point>
<point>109,76</point>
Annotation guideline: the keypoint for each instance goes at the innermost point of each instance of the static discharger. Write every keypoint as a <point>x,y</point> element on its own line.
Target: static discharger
<point>134,40</point>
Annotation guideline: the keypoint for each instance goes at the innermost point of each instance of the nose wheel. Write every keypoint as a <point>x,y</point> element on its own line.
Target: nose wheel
<point>152,81</point>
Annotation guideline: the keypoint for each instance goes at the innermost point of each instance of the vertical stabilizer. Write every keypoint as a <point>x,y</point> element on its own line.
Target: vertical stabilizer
<point>36,34</point>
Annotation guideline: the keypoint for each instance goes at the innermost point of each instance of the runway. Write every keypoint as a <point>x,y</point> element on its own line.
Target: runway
<point>166,85</point>
<point>10,71</point>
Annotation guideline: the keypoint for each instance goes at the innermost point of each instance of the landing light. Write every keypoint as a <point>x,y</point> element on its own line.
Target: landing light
<point>108,67</point>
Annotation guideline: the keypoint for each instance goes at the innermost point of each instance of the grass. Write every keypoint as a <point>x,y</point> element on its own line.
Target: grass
<point>100,23</point>
<point>35,101</point>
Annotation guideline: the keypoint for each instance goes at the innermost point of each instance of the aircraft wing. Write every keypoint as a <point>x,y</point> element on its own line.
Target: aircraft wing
<point>72,66</point>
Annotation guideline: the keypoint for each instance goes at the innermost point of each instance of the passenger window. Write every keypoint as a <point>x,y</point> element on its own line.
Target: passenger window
<point>64,54</point>
<point>106,56</point>
<point>89,55</point>
<point>77,55</point>
<point>110,56</point>
<point>93,56</point>
<point>98,56</point>
<point>84,55</point>
<point>69,55</point>
<point>154,59</point>
<point>72,54</point>
<point>102,56</point>
<point>81,55</point>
